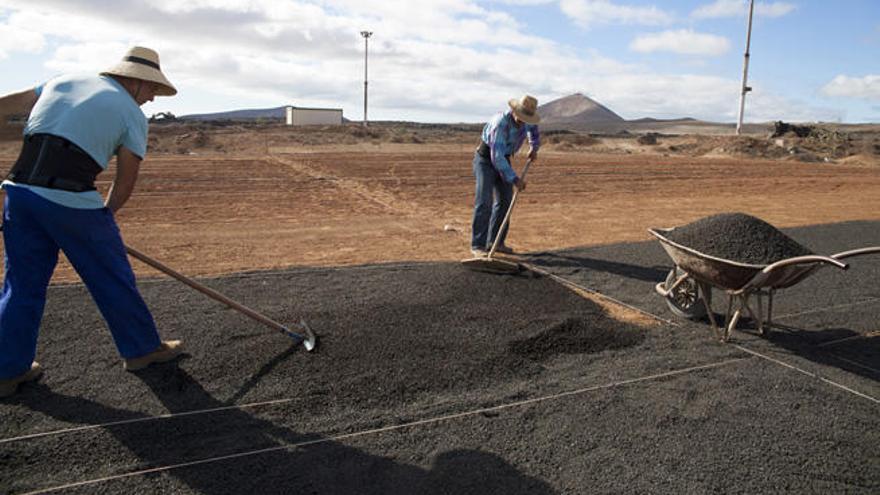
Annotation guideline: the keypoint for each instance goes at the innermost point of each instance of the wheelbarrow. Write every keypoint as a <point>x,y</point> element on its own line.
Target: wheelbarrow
<point>688,287</point>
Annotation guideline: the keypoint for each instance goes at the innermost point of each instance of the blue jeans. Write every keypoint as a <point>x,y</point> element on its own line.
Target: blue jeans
<point>488,215</point>
<point>34,229</point>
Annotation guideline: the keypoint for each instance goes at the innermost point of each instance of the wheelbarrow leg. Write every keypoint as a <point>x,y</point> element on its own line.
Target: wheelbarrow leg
<point>762,330</point>
<point>728,318</point>
<point>757,317</point>
<point>741,303</point>
<point>704,289</point>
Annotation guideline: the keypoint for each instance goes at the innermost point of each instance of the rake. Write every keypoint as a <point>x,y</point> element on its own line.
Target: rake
<point>303,335</point>
<point>494,265</point>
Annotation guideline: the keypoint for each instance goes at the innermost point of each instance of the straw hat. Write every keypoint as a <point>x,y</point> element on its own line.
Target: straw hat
<point>526,109</point>
<point>143,63</point>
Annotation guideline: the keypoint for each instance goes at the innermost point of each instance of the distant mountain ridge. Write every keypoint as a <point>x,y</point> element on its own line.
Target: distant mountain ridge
<point>247,114</point>
<point>572,109</point>
<point>576,112</point>
<point>651,120</point>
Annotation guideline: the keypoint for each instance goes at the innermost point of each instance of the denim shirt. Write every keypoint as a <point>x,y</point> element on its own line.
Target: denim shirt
<point>504,139</point>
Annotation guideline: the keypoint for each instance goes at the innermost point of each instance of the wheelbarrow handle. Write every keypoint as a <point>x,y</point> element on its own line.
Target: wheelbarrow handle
<point>856,252</point>
<point>664,291</point>
<point>810,258</point>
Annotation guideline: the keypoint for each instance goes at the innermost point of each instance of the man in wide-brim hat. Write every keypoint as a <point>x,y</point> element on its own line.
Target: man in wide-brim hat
<point>76,124</point>
<point>502,137</point>
<point>142,65</point>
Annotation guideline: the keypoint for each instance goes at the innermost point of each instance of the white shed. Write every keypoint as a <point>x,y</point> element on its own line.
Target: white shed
<point>313,116</point>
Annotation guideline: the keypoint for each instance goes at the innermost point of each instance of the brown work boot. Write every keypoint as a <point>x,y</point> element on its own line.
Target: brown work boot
<point>10,385</point>
<point>505,249</point>
<point>168,350</point>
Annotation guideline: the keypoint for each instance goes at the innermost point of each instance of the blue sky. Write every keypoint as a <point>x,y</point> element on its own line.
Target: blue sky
<point>460,60</point>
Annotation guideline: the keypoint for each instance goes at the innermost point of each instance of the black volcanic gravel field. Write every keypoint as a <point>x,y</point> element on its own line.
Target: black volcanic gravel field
<point>737,237</point>
<point>429,379</point>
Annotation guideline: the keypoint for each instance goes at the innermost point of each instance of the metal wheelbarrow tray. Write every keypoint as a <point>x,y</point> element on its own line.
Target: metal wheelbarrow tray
<point>688,293</point>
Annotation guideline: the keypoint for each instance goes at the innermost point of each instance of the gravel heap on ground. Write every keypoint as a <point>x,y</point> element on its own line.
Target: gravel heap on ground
<point>738,237</point>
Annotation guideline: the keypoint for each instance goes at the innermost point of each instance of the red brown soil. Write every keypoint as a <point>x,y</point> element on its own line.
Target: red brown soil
<point>228,200</point>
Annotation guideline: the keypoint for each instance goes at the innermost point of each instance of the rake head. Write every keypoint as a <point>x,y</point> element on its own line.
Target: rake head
<point>305,335</point>
<point>492,265</point>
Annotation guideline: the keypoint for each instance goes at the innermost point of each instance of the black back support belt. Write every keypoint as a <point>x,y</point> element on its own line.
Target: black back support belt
<point>484,150</point>
<point>486,153</point>
<point>54,162</point>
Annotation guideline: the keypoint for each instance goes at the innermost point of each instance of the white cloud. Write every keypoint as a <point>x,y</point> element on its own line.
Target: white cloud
<point>764,106</point>
<point>431,61</point>
<point>735,8</point>
<point>867,87</point>
<point>720,8</point>
<point>709,98</point>
<point>637,95</point>
<point>586,13</point>
<point>307,53</point>
<point>682,41</point>
<point>777,9</point>
<point>16,36</point>
<point>86,57</point>
<point>524,2</point>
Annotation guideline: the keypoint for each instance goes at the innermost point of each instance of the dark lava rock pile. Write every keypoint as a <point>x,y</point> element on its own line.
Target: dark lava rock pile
<point>737,237</point>
<point>577,335</point>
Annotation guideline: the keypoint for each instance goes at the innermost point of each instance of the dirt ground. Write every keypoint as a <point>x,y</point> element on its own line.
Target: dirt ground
<point>215,199</point>
<point>434,379</point>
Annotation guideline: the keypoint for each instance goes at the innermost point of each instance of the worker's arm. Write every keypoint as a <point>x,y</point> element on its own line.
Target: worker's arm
<point>534,141</point>
<point>127,166</point>
<point>17,103</point>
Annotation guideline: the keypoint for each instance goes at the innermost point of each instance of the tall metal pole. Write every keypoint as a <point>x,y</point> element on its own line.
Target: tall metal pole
<point>745,86</point>
<point>366,35</point>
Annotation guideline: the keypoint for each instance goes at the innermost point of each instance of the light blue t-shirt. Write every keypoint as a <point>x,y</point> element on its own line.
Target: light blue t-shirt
<point>94,112</point>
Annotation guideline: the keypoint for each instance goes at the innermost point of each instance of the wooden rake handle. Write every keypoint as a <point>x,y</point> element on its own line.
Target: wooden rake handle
<point>213,294</point>
<point>509,210</point>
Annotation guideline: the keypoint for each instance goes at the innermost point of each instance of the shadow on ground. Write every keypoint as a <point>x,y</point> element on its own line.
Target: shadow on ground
<point>845,349</point>
<point>576,262</point>
<point>317,465</point>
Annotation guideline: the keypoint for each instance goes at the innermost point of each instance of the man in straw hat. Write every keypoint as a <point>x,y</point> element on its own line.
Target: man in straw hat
<point>502,137</point>
<point>76,124</point>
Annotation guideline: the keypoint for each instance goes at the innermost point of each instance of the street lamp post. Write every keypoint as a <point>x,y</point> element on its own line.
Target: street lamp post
<point>366,35</point>
<point>745,84</point>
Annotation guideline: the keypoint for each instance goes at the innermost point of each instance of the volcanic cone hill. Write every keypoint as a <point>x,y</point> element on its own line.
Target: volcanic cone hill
<point>577,109</point>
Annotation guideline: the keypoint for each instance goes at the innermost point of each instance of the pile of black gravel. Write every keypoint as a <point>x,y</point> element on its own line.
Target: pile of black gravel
<point>737,237</point>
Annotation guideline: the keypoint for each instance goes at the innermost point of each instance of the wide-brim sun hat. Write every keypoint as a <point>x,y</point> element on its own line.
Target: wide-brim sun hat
<point>525,109</point>
<point>143,63</point>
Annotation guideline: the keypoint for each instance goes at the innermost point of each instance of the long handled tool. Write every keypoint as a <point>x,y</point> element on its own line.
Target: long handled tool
<point>494,265</point>
<point>304,334</point>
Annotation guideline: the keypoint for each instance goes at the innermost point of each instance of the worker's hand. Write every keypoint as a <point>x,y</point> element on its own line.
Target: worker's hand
<point>519,184</point>
<point>533,155</point>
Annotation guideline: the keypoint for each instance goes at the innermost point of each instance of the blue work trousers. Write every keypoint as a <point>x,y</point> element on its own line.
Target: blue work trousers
<point>34,229</point>
<point>488,215</point>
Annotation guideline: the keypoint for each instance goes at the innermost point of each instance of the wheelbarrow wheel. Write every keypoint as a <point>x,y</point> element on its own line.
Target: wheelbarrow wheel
<point>686,301</point>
